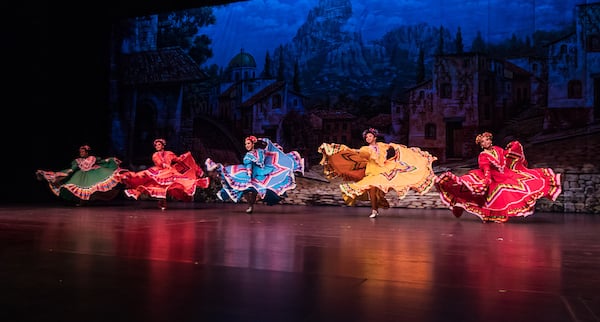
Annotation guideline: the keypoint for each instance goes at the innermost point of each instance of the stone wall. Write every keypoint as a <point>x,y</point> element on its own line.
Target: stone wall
<point>581,194</point>
<point>320,192</point>
<point>573,153</point>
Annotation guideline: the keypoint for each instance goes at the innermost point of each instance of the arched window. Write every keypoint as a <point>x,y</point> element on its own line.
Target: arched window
<point>446,90</point>
<point>574,89</point>
<point>276,100</point>
<point>430,131</point>
<point>593,42</point>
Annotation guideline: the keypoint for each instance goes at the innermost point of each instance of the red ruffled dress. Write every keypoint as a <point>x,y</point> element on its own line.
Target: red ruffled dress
<point>501,188</point>
<point>174,176</point>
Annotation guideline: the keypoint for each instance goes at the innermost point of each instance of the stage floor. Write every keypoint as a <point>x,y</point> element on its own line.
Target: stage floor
<point>212,262</point>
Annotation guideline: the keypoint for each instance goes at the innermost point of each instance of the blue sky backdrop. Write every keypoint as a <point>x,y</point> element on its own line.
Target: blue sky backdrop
<point>255,24</point>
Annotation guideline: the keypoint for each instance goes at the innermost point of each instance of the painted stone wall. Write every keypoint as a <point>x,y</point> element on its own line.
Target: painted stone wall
<point>581,194</point>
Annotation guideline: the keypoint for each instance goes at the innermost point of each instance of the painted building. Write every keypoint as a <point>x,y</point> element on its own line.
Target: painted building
<point>538,68</point>
<point>255,105</point>
<point>574,73</point>
<point>150,103</point>
<point>335,126</point>
<point>163,92</point>
<point>467,93</point>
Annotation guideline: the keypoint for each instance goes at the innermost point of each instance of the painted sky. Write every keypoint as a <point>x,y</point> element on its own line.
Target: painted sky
<point>255,25</point>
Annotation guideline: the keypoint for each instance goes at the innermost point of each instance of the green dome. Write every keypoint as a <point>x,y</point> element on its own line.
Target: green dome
<point>241,60</point>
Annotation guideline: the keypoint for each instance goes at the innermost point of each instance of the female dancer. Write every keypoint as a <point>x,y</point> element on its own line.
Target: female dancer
<point>502,186</point>
<point>266,173</point>
<point>377,168</point>
<point>176,177</point>
<point>88,178</point>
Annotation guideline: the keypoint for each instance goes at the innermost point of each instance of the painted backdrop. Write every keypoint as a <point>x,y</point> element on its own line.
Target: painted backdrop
<point>426,73</point>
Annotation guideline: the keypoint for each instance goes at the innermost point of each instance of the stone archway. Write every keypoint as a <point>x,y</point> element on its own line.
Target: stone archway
<point>145,131</point>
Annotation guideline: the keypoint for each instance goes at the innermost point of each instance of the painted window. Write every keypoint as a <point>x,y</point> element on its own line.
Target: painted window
<point>430,131</point>
<point>574,89</point>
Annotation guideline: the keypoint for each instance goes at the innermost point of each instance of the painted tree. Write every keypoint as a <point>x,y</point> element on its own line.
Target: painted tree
<point>266,73</point>
<point>281,68</point>
<point>478,44</point>
<point>180,29</point>
<point>296,82</point>
<point>458,42</point>
<point>421,66</point>
<point>440,48</point>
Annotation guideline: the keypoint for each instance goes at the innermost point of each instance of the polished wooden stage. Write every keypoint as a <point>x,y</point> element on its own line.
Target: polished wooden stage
<point>212,262</point>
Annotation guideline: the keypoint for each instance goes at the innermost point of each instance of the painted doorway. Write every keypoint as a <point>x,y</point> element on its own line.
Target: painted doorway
<point>144,134</point>
<point>454,140</point>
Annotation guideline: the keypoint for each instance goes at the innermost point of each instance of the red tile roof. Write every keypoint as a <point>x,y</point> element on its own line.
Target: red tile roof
<point>166,65</point>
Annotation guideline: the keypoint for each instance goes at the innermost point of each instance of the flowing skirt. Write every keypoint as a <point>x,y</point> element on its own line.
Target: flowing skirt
<point>178,182</point>
<point>409,169</point>
<point>512,193</point>
<point>99,183</point>
<point>270,182</point>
